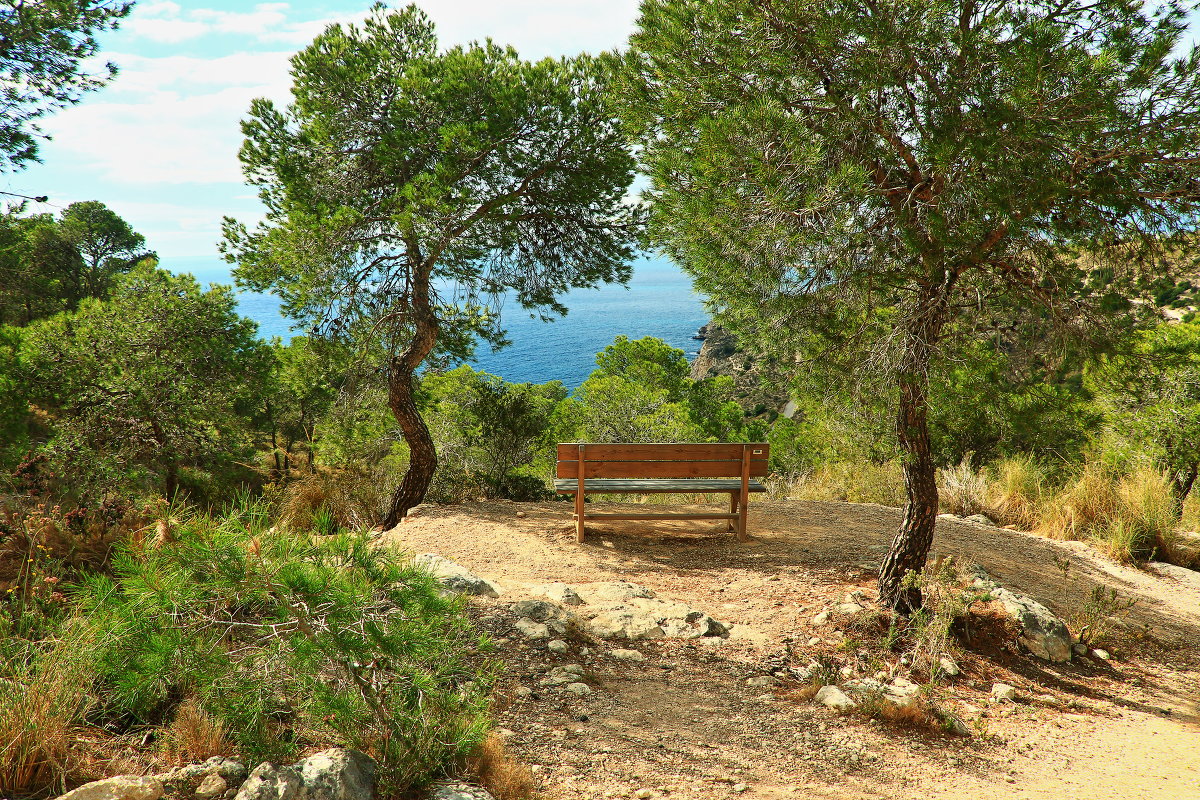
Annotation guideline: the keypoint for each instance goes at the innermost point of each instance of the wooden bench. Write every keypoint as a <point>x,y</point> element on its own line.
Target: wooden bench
<point>662,469</point>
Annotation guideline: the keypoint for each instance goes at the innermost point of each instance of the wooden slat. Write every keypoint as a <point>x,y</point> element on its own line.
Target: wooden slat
<point>659,486</point>
<point>662,452</point>
<point>660,469</point>
<point>659,516</point>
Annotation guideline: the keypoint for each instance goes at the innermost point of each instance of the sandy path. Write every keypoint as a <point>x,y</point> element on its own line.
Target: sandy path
<point>686,724</point>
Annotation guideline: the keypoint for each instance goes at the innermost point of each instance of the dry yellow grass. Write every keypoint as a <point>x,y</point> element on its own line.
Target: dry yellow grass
<point>45,700</point>
<point>194,736</point>
<point>496,770</point>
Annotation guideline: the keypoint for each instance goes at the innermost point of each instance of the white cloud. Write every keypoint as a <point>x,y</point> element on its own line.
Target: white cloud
<point>168,126</point>
<point>171,120</point>
<point>169,23</point>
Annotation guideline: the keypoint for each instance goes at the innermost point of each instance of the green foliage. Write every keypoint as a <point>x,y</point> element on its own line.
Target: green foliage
<point>49,265</point>
<point>44,51</point>
<point>408,188</point>
<point>107,245</point>
<point>1151,397</point>
<point>493,436</point>
<point>305,381</point>
<point>641,392</point>
<point>158,378</point>
<point>13,403</point>
<point>290,642</point>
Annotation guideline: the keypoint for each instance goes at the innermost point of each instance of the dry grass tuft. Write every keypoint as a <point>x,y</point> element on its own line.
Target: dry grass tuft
<point>496,770</point>
<point>963,490</point>
<point>858,482</point>
<point>1016,492</point>
<point>45,700</point>
<point>348,499</point>
<point>194,736</point>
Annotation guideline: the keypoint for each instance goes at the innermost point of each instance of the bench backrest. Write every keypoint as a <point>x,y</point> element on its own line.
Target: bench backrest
<point>662,460</point>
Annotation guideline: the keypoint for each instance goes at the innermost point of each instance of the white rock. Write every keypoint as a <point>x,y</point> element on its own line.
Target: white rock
<point>211,787</point>
<point>532,630</point>
<point>524,692</point>
<point>579,688</point>
<point>835,698</point>
<point>760,680</point>
<point>337,774</point>
<point>120,787</point>
<point>1042,632</point>
<point>269,782</point>
<point>560,593</point>
<point>849,609</point>
<point>557,646</point>
<point>455,577</point>
<point>1002,692</point>
<point>627,655</point>
<point>458,790</point>
<point>740,787</point>
<point>814,641</point>
<point>948,667</point>
<point>619,624</point>
<point>821,619</point>
<point>1103,655</point>
<point>643,794</point>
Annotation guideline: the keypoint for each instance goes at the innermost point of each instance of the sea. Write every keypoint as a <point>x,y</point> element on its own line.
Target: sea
<point>658,301</point>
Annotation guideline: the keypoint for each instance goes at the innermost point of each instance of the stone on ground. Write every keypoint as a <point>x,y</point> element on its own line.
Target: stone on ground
<point>1044,634</point>
<point>120,787</point>
<point>337,774</point>
<point>454,577</point>
<point>457,790</point>
<point>1002,692</point>
<point>835,698</point>
<point>270,782</point>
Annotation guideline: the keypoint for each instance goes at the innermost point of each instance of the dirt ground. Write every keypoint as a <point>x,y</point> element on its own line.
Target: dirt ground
<point>705,719</point>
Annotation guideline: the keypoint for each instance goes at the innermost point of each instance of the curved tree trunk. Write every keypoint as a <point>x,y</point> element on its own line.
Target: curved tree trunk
<point>422,461</point>
<point>910,546</point>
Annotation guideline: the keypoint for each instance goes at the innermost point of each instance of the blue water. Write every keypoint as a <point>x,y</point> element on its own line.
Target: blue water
<point>658,302</point>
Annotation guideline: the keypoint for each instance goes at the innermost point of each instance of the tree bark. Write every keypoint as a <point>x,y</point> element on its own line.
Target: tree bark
<point>910,546</point>
<point>422,459</point>
<point>1181,486</point>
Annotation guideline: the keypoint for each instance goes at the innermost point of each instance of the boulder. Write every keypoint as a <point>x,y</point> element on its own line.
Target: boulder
<point>560,593</point>
<point>120,787</point>
<point>457,790</point>
<point>337,774</point>
<point>835,698</point>
<point>531,630</point>
<point>627,655</point>
<point>270,782</point>
<point>1044,634</point>
<point>1002,692</point>
<point>455,577</point>
<point>211,787</point>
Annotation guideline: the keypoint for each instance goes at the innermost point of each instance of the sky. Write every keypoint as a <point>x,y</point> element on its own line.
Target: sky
<point>159,144</point>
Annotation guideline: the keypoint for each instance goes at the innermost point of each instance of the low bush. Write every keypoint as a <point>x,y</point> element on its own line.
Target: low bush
<point>270,643</point>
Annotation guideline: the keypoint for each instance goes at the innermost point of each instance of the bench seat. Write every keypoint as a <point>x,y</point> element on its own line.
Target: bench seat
<point>662,468</point>
<point>655,485</point>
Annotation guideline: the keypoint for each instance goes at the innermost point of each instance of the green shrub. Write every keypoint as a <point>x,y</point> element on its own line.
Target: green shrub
<point>288,642</point>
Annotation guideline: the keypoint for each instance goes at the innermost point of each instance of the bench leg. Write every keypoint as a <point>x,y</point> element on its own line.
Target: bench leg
<point>579,516</point>
<point>733,509</point>
<point>743,508</point>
